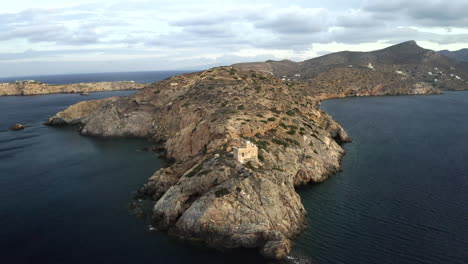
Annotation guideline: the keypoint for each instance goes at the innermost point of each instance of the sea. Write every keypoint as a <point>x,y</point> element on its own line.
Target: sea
<point>140,77</point>
<point>402,196</point>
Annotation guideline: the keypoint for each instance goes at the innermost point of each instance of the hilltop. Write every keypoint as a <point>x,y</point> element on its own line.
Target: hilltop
<point>406,61</point>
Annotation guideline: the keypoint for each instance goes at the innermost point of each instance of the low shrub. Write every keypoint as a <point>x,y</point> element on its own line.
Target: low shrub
<point>195,170</point>
<point>221,192</point>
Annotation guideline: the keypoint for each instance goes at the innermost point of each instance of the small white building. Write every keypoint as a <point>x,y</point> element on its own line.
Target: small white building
<point>248,151</point>
<point>400,72</point>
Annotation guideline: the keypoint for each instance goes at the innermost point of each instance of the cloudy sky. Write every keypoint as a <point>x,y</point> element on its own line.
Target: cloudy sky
<point>77,36</point>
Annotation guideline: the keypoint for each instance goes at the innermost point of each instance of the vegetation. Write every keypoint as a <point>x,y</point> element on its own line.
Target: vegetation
<point>274,110</point>
<point>233,71</point>
<point>280,142</point>
<point>261,158</point>
<point>204,172</point>
<point>262,144</point>
<point>195,170</point>
<point>221,192</point>
<point>278,169</point>
<point>292,141</point>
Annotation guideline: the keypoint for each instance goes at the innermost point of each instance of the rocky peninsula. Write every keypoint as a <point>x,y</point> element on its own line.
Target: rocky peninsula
<point>198,118</point>
<point>32,87</point>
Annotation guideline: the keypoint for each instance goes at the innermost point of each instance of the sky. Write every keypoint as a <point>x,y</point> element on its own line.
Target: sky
<point>47,37</point>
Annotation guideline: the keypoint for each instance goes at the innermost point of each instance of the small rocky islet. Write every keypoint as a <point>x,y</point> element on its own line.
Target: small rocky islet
<point>17,127</point>
<point>199,118</point>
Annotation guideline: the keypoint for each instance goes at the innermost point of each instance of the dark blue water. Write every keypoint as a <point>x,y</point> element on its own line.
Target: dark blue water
<point>403,194</point>
<point>64,198</point>
<point>141,77</point>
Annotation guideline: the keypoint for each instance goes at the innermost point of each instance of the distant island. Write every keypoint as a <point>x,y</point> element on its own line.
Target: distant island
<point>241,138</point>
<point>32,87</point>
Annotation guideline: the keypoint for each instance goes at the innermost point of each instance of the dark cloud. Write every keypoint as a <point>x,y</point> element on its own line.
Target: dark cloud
<point>420,12</point>
<point>295,21</point>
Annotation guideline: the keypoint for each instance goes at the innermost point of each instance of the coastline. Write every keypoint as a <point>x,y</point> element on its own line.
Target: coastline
<point>186,193</point>
<point>38,88</point>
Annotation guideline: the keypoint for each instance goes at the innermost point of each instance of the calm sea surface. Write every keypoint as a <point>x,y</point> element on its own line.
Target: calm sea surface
<point>64,198</point>
<point>402,196</point>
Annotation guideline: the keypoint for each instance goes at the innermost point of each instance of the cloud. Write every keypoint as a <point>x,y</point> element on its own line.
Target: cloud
<point>296,20</point>
<point>187,33</point>
<point>421,13</point>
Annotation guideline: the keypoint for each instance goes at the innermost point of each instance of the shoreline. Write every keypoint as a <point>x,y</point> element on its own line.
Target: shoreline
<point>205,195</point>
<point>38,88</point>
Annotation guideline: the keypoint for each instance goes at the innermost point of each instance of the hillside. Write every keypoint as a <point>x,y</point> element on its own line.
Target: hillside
<point>406,60</point>
<point>35,87</point>
<point>461,55</point>
<point>278,68</point>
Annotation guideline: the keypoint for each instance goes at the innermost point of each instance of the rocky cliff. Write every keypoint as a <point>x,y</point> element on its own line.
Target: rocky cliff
<point>198,119</point>
<point>35,88</point>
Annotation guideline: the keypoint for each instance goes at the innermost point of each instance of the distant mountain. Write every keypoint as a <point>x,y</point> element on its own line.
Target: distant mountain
<point>402,62</point>
<point>461,55</point>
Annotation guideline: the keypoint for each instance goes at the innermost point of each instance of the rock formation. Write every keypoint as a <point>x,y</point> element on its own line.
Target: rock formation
<point>198,118</point>
<point>35,88</point>
<point>16,127</point>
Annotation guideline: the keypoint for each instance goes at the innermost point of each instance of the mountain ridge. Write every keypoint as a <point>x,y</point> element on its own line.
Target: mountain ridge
<point>407,58</point>
<point>461,55</point>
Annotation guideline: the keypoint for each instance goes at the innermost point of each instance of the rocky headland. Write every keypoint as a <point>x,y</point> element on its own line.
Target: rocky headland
<point>198,118</point>
<point>36,87</point>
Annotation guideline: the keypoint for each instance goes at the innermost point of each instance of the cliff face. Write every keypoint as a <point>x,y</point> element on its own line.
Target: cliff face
<point>198,118</point>
<point>35,88</point>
